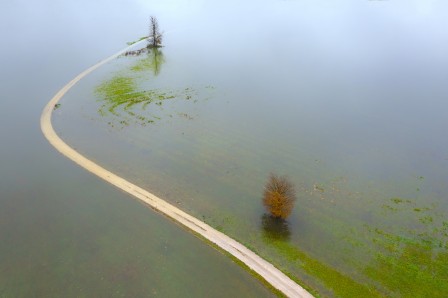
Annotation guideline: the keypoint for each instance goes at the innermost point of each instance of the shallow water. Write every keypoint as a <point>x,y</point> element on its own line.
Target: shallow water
<point>63,232</point>
<point>347,99</point>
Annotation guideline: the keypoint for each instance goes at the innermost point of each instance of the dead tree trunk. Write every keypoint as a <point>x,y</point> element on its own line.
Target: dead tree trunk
<point>155,37</point>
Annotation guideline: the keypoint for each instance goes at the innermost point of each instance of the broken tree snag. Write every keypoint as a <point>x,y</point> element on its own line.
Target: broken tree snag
<point>155,37</point>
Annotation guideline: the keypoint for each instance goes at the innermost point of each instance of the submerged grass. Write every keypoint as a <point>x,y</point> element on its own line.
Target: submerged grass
<point>414,269</point>
<point>404,263</point>
<point>415,258</point>
<point>407,257</point>
<point>337,284</point>
<point>121,97</point>
<point>341,285</point>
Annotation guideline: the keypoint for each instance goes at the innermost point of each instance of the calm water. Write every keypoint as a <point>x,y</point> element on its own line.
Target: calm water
<point>347,99</point>
<point>63,232</point>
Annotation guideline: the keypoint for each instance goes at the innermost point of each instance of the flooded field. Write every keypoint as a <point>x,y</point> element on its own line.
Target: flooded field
<point>346,99</point>
<point>63,232</point>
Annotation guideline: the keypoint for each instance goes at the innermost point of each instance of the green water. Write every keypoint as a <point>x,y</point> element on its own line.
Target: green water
<point>347,99</point>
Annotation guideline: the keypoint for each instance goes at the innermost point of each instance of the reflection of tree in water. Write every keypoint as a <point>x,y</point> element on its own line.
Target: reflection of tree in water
<point>157,58</point>
<point>275,228</point>
<point>152,62</point>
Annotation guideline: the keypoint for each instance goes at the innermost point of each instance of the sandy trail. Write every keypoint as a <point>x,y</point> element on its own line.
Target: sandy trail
<point>265,269</point>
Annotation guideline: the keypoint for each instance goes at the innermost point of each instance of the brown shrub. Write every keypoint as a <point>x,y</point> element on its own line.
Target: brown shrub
<point>279,196</point>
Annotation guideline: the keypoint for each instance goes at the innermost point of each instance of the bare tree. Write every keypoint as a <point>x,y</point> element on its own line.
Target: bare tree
<point>155,37</point>
<point>279,196</point>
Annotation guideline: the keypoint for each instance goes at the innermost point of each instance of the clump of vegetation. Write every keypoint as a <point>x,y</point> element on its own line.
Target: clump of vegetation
<point>155,37</point>
<point>279,196</point>
<point>120,97</point>
<point>135,41</point>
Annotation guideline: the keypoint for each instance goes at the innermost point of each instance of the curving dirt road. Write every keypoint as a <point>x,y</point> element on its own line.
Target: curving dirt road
<point>271,274</point>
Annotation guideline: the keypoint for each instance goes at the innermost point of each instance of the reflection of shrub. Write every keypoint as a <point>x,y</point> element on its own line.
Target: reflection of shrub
<point>279,196</point>
<point>275,228</point>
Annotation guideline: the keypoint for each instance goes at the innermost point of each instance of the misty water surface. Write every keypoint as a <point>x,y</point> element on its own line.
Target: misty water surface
<point>346,98</point>
<point>63,232</point>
